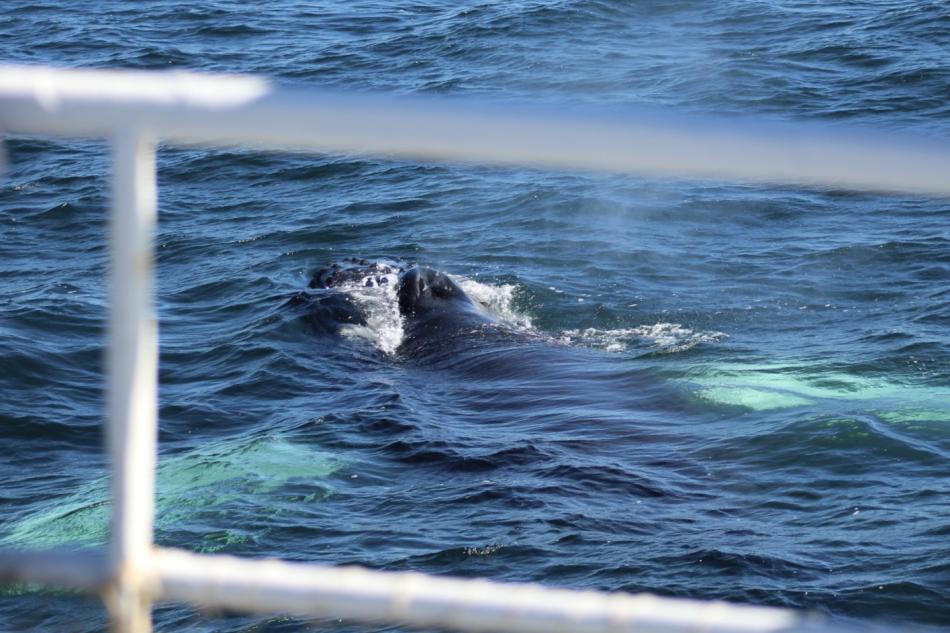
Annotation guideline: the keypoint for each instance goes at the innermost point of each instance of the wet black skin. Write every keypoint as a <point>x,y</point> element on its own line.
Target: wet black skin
<point>427,294</point>
<point>436,311</point>
<point>325,314</point>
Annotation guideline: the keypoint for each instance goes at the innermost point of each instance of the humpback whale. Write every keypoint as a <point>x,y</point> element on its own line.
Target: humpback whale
<point>434,311</point>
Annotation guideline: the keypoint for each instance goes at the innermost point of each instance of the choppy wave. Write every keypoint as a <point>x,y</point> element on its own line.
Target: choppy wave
<point>801,461</point>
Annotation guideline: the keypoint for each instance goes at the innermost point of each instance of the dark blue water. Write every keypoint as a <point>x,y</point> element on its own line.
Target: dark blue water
<point>703,389</point>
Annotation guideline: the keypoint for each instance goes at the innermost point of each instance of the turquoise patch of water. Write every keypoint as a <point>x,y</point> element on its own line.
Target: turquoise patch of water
<point>241,469</point>
<point>771,387</point>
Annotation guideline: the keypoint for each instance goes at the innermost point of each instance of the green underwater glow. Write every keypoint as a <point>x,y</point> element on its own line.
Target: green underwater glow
<point>772,387</point>
<point>913,417</point>
<point>186,484</point>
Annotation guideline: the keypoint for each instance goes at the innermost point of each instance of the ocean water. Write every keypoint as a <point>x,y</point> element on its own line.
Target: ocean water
<point>698,389</point>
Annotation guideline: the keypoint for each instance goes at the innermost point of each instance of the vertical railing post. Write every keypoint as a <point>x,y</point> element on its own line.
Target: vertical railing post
<point>132,367</point>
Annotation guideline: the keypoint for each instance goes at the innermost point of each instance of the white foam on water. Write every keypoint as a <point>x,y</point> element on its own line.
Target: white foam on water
<point>376,297</point>
<point>497,300</point>
<point>665,337</point>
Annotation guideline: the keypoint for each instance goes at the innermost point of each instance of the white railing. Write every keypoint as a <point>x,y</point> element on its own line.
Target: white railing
<point>135,109</point>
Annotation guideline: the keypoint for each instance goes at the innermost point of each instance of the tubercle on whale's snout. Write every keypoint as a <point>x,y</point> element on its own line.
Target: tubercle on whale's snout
<point>354,272</point>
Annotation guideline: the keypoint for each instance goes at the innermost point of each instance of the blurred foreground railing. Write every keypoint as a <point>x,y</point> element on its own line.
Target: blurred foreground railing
<point>135,109</point>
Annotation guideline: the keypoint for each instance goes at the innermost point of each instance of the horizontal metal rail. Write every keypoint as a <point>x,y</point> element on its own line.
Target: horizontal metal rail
<point>426,601</point>
<point>135,109</point>
<point>357,594</point>
<point>233,110</point>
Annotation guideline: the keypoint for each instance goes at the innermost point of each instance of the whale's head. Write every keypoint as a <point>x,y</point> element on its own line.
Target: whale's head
<point>423,290</point>
<point>436,311</point>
